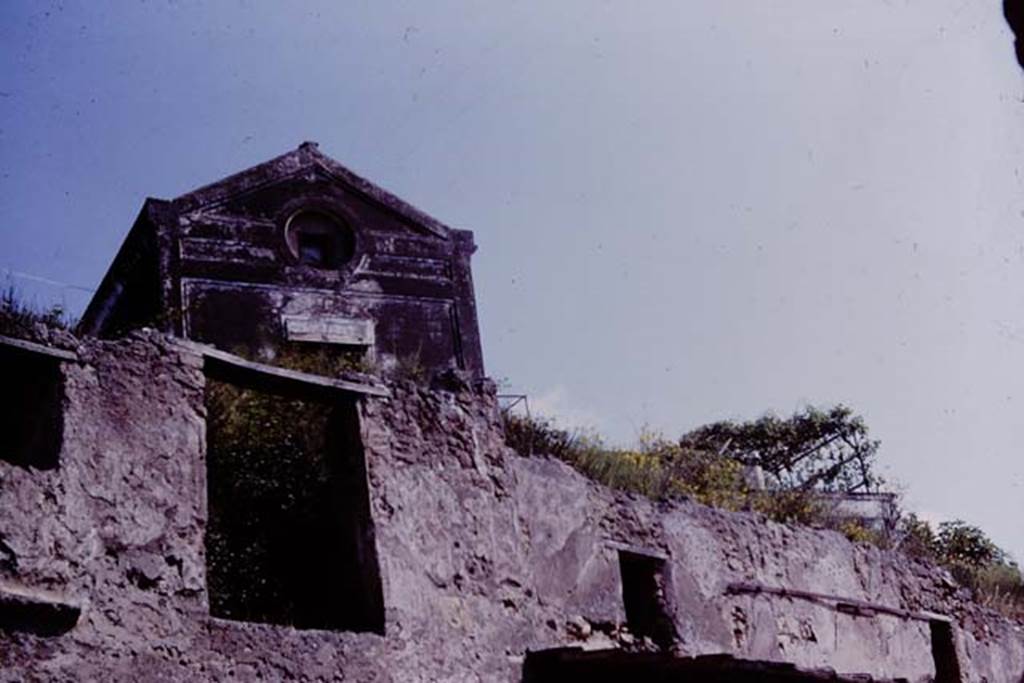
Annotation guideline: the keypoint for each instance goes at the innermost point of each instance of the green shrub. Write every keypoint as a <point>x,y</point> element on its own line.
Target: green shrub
<point>318,360</point>
<point>960,543</point>
<point>972,558</point>
<point>916,537</point>
<point>1000,587</point>
<point>813,449</point>
<point>798,507</point>
<point>661,469</point>
<point>536,435</point>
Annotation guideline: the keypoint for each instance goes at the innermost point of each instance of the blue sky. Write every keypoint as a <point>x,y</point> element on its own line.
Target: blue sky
<point>685,211</point>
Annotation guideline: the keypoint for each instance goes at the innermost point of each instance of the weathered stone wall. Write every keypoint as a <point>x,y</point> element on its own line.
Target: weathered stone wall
<point>484,556</point>
<point>117,527</point>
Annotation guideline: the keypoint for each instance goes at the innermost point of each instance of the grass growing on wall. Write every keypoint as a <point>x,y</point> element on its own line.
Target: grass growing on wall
<point>19,319</point>
<point>318,359</point>
<point>662,469</point>
<point>1000,587</point>
<point>972,558</point>
<point>332,361</point>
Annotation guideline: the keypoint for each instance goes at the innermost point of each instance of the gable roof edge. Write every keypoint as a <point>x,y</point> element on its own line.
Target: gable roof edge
<point>379,195</point>
<point>241,182</point>
<point>306,155</point>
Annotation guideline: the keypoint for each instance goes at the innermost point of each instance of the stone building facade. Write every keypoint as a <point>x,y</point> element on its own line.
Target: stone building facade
<point>297,250</point>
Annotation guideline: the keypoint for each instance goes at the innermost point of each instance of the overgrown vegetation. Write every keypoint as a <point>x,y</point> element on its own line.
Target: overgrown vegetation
<point>812,452</point>
<point>321,360</point>
<point>827,450</point>
<point>266,465</point>
<point>971,557</point>
<point>330,361</point>
<point>284,474</point>
<point>19,319</point>
<point>662,469</point>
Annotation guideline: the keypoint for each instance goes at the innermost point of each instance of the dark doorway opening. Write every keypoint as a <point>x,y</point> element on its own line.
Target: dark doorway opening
<point>289,537</point>
<point>32,422</point>
<point>947,666</point>
<point>645,594</point>
<point>315,250</point>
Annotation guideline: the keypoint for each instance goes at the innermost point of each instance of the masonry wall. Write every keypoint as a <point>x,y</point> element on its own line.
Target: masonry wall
<point>116,527</point>
<point>484,556</point>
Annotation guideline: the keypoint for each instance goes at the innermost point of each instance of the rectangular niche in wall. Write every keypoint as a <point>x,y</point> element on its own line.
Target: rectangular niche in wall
<point>289,537</point>
<point>947,666</point>
<point>32,421</point>
<point>38,612</point>
<point>646,597</point>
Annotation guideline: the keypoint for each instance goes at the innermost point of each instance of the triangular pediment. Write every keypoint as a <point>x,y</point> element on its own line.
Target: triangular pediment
<point>260,193</point>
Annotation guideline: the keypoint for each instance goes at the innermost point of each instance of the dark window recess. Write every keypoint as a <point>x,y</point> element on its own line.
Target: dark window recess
<point>319,240</point>
<point>315,250</point>
<point>645,594</point>
<point>947,666</point>
<point>289,538</point>
<point>32,421</point>
<point>40,616</point>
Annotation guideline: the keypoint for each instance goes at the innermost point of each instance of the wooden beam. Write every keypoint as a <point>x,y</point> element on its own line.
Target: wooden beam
<point>841,604</point>
<point>39,349</point>
<point>236,369</point>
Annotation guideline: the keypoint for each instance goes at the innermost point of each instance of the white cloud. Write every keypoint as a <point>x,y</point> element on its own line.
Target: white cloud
<point>556,403</point>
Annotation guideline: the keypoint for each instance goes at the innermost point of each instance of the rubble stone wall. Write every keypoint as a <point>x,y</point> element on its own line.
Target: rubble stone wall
<point>484,556</point>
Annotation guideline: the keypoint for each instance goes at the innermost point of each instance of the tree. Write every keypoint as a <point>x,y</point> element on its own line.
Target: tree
<point>916,536</point>
<point>815,449</point>
<point>958,542</point>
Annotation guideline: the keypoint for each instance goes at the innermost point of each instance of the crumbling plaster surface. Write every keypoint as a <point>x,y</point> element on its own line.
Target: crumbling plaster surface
<point>484,555</point>
<point>116,528</point>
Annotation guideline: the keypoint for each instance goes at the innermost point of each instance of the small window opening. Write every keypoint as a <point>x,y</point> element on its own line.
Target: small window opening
<point>289,537</point>
<point>319,240</point>
<point>947,666</point>
<point>646,597</point>
<point>40,616</point>
<point>315,250</point>
<point>32,421</point>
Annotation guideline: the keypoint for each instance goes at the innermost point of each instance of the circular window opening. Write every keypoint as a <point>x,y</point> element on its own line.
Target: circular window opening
<point>319,240</point>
